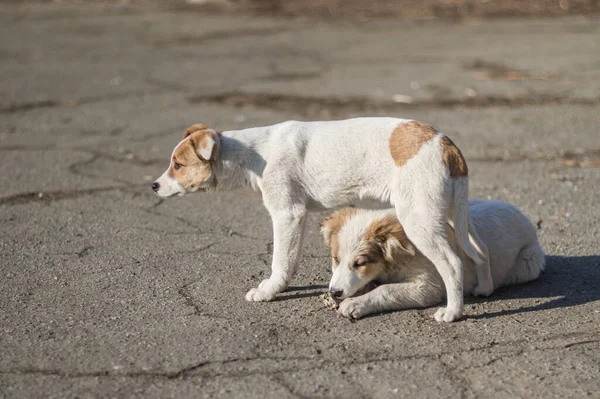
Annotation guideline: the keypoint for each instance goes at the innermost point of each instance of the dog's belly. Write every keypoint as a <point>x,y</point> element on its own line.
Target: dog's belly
<point>355,200</point>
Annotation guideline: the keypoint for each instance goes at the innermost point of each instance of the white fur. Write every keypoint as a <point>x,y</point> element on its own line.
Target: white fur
<point>514,252</point>
<point>301,166</point>
<point>168,186</point>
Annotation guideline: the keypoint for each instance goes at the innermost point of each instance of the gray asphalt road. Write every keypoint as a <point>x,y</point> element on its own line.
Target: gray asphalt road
<point>107,291</point>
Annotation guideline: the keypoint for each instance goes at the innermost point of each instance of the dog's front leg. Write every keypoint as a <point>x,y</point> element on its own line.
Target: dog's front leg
<point>396,296</point>
<point>287,239</point>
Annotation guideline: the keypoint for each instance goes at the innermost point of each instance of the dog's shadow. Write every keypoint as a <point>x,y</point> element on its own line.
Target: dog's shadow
<point>305,292</point>
<point>569,281</point>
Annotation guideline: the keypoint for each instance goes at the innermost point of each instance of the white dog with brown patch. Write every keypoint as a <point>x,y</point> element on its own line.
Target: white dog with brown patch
<point>300,166</point>
<point>371,247</point>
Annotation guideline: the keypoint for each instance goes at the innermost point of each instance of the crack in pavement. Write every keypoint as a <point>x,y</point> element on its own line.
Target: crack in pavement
<point>80,254</point>
<point>223,231</point>
<point>515,349</point>
<point>203,248</point>
<point>51,196</point>
<point>587,341</point>
<point>184,292</point>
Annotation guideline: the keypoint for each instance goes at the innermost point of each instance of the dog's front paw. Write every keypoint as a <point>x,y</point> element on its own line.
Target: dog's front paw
<point>258,295</point>
<point>483,290</point>
<point>353,308</point>
<point>263,284</point>
<point>445,315</point>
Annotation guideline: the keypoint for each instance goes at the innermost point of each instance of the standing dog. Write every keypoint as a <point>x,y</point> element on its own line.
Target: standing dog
<point>371,247</point>
<point>299,166</point>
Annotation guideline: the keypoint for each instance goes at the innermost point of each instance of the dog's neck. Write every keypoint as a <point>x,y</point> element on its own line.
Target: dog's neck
<point>241,158</point>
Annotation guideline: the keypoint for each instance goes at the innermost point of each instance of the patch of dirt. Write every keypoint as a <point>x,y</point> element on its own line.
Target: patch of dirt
<point>341,106</point>
<point>486,70</point>
<point>407,9</point>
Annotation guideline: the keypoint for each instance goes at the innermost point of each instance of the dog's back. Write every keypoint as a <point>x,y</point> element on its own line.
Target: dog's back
<point>515,253</point>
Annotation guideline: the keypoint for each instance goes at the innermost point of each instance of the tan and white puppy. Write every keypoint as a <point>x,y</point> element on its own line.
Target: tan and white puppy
<point>300,166</point>
<point>372,247</point>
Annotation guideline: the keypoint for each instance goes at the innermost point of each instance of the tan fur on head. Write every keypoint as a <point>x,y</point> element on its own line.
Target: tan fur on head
<point>382,244</point>
<point>331,225</point>
<point>388,235</point>
<point>194,128</point>
<point>206,143</point>
<point>192,160</point>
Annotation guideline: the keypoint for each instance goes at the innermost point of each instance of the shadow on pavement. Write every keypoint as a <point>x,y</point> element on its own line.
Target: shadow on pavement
<point>571,281</point>
<point>309,291</point>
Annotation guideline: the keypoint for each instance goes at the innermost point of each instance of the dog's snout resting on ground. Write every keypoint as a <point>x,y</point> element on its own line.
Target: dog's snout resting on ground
<point>372,247</point>
<point>300,166</point>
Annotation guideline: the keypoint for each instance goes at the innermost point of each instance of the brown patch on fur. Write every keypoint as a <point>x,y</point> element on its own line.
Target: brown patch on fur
<point>408,138</point>
<point>331,226</point>
<point>195,171</point>
<point>198,140</point>
<point>194,128</point>
<point>386,236</point>
<point>453,158</point>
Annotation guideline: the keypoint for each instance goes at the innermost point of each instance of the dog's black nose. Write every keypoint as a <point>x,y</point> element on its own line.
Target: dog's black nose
<point>336,293</point>
<point>155,186</point>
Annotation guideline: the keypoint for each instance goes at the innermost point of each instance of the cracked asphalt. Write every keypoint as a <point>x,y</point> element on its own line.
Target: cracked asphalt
<point>108,291</point>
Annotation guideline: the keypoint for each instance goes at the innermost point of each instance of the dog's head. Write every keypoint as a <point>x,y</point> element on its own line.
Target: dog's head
<point>192,162</point>
<point>364,246</point>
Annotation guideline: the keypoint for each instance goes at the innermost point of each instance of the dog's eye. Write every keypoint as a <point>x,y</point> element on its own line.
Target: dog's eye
<point>361,262</point>
<point>176,165</point>
<point>335,259</point>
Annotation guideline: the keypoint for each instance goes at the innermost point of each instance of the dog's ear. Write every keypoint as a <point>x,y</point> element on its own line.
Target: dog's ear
<point>194,128</point>
<point>391,238</point>
<point>327,227</point>
<point>206,143</point>
<point>332,224</point>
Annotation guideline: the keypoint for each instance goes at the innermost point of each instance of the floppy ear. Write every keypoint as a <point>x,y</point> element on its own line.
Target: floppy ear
<point>206,143</point>
<point>394,246</point>
<point>327,229</point>
<point>392,239</point>
<point>194,128</point>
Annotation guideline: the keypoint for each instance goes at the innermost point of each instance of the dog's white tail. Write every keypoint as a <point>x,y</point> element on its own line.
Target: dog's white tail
<point>466,235</point>
<point>468,240</point>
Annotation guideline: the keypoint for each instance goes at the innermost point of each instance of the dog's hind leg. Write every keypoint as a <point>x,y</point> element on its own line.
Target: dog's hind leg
<point>530,263</point>
<point>287,239</point>
<point>423,209</point>
<point>428,233</point>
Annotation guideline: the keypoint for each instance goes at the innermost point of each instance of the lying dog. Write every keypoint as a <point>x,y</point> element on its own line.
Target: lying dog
<point>300,166</point>
<point>371,247</point>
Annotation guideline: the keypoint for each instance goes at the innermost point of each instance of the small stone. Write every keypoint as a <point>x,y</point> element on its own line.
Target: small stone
<point>402,98</point>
